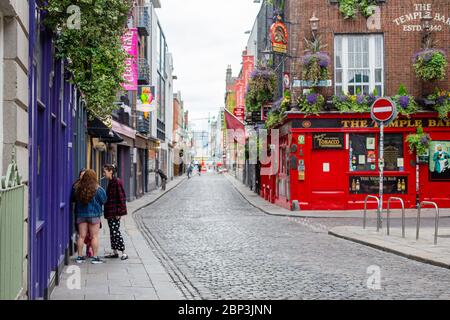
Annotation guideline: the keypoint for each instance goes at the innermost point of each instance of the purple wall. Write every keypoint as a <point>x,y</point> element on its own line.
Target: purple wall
<point>50,162</point>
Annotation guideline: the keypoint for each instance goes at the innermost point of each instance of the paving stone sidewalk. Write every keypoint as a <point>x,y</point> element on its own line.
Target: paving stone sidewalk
<point>141,277</point>
<point>423,250</point>
<point>272,209</point>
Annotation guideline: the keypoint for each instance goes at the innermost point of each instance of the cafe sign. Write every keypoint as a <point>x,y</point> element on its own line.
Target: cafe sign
<point>328,141</point>
<point>412,21</point>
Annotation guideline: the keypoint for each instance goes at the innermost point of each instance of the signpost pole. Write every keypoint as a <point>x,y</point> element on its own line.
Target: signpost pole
<point>383,111</point>
<point>381,168</point>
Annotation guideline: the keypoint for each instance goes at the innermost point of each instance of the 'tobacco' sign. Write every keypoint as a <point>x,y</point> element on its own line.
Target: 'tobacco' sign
<point>383,110</point>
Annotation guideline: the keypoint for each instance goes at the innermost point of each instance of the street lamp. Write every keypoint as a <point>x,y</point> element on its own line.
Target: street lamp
<point>314,22</point>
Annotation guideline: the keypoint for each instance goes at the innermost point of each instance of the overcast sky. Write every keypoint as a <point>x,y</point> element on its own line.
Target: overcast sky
<point>205,36</point>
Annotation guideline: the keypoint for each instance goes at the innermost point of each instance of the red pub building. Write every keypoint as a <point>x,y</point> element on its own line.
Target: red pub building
<point>329,159</point>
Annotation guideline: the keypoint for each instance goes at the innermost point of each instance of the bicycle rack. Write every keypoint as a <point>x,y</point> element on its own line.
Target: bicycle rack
<point>436,222</point>
<point>403,214</point>
<point>378,211</point>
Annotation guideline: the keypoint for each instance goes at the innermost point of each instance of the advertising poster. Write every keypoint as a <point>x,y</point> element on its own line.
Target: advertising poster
<point>439,163</point>
<point>130,46</point>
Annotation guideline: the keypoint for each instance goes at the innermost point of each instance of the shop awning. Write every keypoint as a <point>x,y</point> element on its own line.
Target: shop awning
<point>235,128</point>
<point>97,129</point>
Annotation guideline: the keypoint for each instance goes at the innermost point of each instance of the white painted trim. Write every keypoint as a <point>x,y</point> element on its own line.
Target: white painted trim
<point>372,61</point>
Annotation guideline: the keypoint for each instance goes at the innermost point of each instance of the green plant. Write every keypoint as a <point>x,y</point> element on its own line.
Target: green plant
<point>311,103</point>
<point>286,101</point>
<point>353,103</point>
<point>261,88</point>
<point>315,62</point>
<point>94,52</point>
<point>430,64</point>
<point>406,105</point>
<point>274,118</point>
<point>349,8</point>
<point>419,142</point>
<point>441,99</point>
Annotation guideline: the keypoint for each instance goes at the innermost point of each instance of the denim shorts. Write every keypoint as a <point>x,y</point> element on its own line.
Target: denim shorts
<point>89,220</point>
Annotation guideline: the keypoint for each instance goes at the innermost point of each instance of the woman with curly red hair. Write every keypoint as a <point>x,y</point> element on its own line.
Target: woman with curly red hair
<point>90,198</point>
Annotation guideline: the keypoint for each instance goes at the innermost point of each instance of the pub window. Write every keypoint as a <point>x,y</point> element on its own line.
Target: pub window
<point>393,152</point>
<point>358,64</point>
<point>362,152</point>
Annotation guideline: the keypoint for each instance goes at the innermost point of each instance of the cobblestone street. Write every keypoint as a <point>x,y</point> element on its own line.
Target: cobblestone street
<point>218,246</point>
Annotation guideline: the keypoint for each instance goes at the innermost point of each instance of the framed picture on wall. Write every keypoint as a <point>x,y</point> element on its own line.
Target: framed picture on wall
<point>439,161</point>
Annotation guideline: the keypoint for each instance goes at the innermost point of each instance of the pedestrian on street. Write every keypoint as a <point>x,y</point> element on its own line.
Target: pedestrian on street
<point>87,240</point>
<point>189,170</point>
<point>90,198</point>
<point>115,209</point>
<point>199,169</point>
<point>163,178</point>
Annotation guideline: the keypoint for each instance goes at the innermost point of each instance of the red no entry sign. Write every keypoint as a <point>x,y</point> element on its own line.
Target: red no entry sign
<point>383,110</point>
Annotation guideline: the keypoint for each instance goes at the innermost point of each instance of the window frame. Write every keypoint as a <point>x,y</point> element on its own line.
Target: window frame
<point>341,51</point>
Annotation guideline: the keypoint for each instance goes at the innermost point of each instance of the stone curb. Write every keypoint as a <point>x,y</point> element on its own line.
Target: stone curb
<point>354,214</point>
<point>416,257</point>
<point>158,196</point>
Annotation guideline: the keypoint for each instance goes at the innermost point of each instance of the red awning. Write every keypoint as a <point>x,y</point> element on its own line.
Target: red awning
<point>235,128</point>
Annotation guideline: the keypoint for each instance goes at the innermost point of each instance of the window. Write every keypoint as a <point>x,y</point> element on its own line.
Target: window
<point>158,47</point>
<point>161,98</point>
<point>362,152</point>
<point>358,64</point>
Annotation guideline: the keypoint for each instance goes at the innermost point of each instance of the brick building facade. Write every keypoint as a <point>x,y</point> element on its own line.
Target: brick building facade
<point>396,26</point>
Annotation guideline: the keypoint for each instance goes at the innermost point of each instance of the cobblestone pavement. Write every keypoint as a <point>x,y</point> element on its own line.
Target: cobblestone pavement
<point>216,245</point>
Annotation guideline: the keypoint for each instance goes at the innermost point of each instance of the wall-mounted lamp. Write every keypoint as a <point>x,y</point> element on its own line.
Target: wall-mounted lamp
<point>314,22</point>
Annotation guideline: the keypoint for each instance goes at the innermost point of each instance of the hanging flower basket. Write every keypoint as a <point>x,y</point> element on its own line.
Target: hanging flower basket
<point>419,143</point>
<point>441,100</point>
<point>261,88</point>
<point>315,66</point>
<point>430,64</point>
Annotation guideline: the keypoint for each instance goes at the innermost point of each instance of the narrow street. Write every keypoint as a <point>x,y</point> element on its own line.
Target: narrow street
<point>214,244</point>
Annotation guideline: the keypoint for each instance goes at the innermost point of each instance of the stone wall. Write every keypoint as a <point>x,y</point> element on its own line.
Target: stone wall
<point>399,22</point>
<point>14,96</point>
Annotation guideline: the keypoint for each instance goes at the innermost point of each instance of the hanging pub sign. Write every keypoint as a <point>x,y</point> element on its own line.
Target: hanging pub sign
<point>280,37</point>
<point>328,141</point>
<point>146,101</point>
<point>239,112</point>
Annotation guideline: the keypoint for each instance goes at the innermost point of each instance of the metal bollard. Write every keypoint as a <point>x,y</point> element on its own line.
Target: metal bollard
<point>365,211</point>
<point>436,221</point>
<point>403,214</point>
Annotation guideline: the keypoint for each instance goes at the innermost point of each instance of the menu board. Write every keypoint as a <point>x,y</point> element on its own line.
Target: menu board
<point>371,185</point>
<point>393,152</point>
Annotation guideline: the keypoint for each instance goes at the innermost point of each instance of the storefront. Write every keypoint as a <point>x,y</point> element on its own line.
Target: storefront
<point>330,162</point>
<point>141,164</point>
